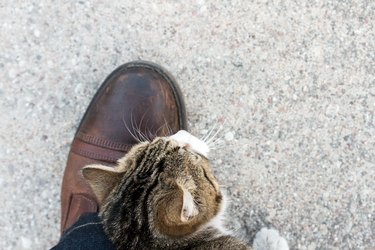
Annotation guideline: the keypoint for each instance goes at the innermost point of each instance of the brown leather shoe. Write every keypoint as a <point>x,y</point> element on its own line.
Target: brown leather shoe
<point>137,96</point>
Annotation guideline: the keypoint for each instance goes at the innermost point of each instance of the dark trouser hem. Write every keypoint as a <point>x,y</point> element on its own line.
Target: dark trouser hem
<point>86,233</point>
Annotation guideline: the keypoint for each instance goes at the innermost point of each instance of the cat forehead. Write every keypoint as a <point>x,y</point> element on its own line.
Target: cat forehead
<point>183,137</point>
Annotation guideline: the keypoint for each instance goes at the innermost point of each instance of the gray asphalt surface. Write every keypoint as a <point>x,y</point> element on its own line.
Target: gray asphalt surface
<point>291,83</point>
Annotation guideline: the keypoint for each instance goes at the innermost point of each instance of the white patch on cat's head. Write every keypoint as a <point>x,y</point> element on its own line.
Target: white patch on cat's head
<point>183,137</point>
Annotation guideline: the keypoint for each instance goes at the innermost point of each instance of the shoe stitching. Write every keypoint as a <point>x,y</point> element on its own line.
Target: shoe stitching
<point>97,156</point>
<point>103,142</point>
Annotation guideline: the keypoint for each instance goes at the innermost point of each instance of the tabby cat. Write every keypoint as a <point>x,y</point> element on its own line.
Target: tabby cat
<point>163,195</point>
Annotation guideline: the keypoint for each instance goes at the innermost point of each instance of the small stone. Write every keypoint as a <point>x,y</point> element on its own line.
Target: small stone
<point>272,213</point>
<point>323,229</point>
<point>21,63</point>
<point>44,195</point>
<point>37,33</point>
<point>332,110</point>
<point>12,73</point>
<point>312,246</point>
<point>26,243</point>
<point>31,8</point>
<point>229,136</point>
<point>79,88</point>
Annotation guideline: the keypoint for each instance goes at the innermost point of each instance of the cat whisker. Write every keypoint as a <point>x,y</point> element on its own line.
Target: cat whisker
<point>218,147</point>
<point>143,116</point>
<point>160,127</point>
<point>214,143</point>
<point>150,136</point>
<point>170,131</point>
<point>214,139</point>
<point>147,135</point>
<point>135,129</point>
<point>132,134</point>
<point>138,130</point>
<point>209,133</point>
<point>214,135</point>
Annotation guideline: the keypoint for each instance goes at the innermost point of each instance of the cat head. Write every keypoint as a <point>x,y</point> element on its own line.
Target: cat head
<point>169,180</point>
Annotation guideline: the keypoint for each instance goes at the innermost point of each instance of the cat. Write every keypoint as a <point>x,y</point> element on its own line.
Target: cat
<point>163,195</point>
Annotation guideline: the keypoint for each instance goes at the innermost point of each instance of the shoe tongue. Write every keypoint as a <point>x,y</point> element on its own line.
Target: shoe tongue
<point>197,145</point>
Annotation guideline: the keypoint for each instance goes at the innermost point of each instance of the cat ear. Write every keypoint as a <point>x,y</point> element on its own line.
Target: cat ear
<point>189,208</point>
<point>102,179</point>
<point>177,213</point>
